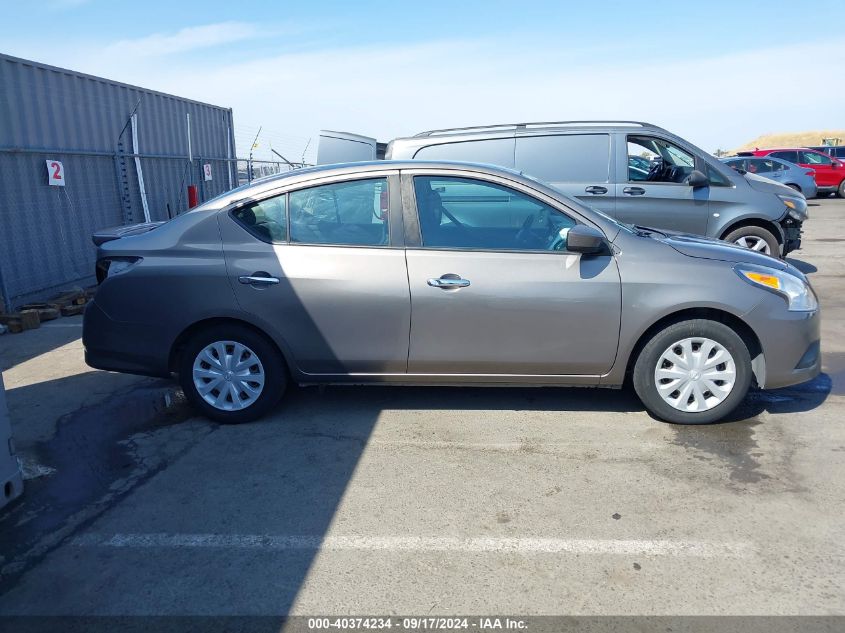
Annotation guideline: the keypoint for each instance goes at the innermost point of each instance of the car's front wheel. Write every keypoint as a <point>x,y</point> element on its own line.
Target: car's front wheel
<point>755,238</point>
<point>693,372</point>
<point>232,374</point>
<point>841,190</point>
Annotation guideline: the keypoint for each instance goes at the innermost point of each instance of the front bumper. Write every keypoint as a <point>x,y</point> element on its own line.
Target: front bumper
<point>130,348</point>
<point>790,341</point>
<point>791,235</point>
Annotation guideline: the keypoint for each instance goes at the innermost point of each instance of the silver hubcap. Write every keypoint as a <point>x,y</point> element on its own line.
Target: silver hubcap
<point>754,243</point>
<point>228,375</point>
<point>695,374</point>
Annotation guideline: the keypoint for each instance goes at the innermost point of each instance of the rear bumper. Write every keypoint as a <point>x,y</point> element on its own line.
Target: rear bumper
<point>130,348</point>
<point>790,341</point>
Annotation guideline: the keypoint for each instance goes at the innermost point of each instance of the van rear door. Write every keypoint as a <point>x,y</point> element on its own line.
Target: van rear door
<point>343,147</point>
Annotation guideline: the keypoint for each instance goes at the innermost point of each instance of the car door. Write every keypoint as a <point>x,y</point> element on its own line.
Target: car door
<point>666,201</point>
<point>493,290</point>
<point>578,164</point>
<point>323,266</point>
<point>826,174</point>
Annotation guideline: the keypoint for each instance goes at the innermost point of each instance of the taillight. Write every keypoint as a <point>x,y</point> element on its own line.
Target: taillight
<point>111,266</point>
<point>810,173</point>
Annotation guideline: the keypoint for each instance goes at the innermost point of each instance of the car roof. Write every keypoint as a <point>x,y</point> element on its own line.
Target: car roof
<point>319,172</point>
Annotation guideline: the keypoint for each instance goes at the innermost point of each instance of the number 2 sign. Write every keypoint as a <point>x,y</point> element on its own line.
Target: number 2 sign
<point>55,173</point>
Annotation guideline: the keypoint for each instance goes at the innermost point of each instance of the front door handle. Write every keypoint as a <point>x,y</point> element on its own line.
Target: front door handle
<point>259,278</point>
<point>596,190</point>
<point>449,281</point>
<point>634,191</point>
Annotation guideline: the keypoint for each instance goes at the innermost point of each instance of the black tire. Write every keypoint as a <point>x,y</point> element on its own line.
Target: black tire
<point>841,191</point>
<point>755,232</point>
<point>644,381</point>
<point>792,185</point>
<point>275,373</point>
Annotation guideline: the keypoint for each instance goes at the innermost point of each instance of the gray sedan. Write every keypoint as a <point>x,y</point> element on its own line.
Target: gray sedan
<point>410,272</point>
<point>799,178</point>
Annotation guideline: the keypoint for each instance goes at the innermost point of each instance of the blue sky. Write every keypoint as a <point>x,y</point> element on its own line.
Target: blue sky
<point>716,72</point>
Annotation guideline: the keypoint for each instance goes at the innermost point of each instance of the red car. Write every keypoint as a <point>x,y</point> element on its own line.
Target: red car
<point>830,172</point>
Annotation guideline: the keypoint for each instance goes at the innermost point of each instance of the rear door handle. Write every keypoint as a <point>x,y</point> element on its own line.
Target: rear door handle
<point>448,282</point>
<point>594,189</point>
<point>634,191</point>
<point>258,279</point>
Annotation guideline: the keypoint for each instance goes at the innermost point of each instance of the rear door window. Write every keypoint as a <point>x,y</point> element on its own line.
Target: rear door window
<point>565,158</point>
<point>815,158</point>
<point>266,220</point>
<point>788,155</point>
<point>350,213</point>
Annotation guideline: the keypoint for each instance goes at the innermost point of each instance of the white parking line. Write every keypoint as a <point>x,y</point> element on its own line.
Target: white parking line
<point>502,545</point>
<point>61,325</point>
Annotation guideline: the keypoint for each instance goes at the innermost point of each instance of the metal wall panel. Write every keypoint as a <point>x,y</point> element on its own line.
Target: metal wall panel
<point>83,121</point>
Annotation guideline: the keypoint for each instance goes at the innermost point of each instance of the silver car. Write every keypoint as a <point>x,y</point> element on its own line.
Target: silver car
<point>412,272</point>
<point>794,176</point>
<point>633,171</point>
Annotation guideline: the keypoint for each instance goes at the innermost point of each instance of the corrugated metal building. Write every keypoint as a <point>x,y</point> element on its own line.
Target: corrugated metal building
<point>49,114</point>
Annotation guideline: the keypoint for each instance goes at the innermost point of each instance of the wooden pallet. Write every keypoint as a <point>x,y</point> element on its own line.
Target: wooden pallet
<point>18,322</point>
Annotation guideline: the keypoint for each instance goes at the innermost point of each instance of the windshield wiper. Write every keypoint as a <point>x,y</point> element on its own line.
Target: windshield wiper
<point>645,231</point>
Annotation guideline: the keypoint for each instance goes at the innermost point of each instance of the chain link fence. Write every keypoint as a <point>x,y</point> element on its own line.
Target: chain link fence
<point>46,230</point>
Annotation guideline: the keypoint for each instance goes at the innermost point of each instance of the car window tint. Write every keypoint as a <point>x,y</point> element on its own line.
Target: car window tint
<point>668,163</point>
<point>491,151</point>
<point>789,156</point>
<point>814,158</point>
<point>266,220</point>
<point>715,177</point>
<point>473,214</point>
<point>764,166</point>
<point>350,213</point>
<point>565,158</point>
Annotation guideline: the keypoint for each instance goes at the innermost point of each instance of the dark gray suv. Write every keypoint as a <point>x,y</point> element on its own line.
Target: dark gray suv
<point>415,272</point>
<point>635,172</point>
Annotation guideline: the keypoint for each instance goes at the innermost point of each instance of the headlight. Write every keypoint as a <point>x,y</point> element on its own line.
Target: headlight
<point>796,205</point>
<point>797,292</point>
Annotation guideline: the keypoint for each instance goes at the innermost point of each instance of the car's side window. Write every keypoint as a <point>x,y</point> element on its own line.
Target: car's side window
<point>667,163</point>
<point>466,213</point>
<point>352,213</point>
<point>716,179</point>
<point>814,158</point>
<point>789,156</point>
<point>266,220</point>
<point>564,157</point>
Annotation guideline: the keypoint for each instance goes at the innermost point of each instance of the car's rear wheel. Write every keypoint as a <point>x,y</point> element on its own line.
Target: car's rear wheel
<point>792,185</point>
<point>693,372</point>
<point>232,374</point>
<point>755,238</point>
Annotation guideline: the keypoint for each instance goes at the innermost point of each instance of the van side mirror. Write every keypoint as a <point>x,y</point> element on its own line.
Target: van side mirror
<point>584,239</point>
<point>697,179</point>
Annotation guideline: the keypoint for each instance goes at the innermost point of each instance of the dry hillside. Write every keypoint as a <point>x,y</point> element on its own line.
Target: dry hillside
<point>792,139</point>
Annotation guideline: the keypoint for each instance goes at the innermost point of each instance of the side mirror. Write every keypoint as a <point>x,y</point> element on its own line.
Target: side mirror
<point>584,239</point>
<point>697,179</point>
<point>836,164</point>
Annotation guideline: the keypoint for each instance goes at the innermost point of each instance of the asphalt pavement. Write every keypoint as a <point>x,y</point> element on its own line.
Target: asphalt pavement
<point>429,501</point>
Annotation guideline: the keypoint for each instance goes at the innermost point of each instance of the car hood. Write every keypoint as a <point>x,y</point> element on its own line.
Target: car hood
<point>767,185</point>
<point>707,248</point>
